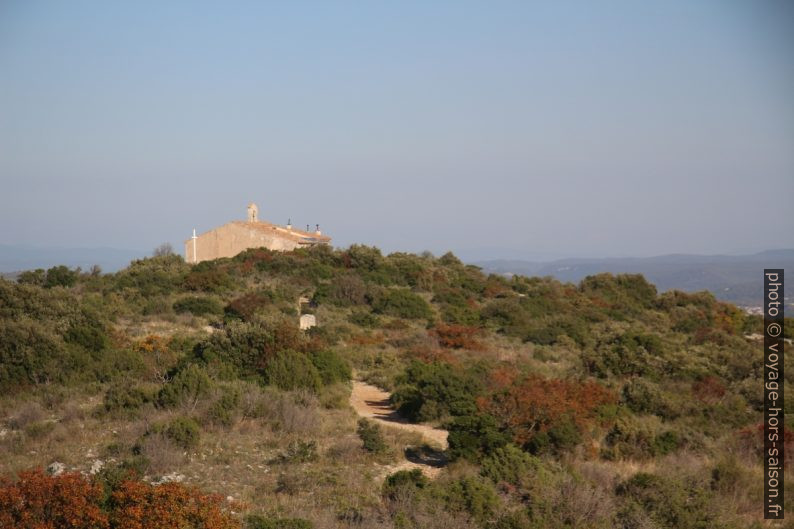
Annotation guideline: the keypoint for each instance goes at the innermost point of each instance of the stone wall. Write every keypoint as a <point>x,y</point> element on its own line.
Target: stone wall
<point>232,238</point>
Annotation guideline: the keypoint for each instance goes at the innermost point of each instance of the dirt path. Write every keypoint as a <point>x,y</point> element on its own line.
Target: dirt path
<point>373,403</point>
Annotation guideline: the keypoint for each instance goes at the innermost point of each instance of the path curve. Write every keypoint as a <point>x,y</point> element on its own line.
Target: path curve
<point>373,403</point>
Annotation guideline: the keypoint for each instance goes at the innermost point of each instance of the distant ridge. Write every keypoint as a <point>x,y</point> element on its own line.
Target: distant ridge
<point>15,258</point>
<point>734,278</point>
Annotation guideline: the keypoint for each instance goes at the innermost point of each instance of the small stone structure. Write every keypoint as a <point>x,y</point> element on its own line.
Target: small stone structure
<point>237,236</point>
<point>307,321</point>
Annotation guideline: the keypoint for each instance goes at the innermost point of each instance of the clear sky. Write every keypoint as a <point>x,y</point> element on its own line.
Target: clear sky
<point>495,129</point>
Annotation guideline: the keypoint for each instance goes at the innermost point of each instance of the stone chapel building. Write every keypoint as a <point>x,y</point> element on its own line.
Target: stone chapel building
<point>236,236</point>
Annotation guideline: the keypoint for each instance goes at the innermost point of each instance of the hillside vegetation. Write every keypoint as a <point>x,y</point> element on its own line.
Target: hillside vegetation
<point>187,394</point>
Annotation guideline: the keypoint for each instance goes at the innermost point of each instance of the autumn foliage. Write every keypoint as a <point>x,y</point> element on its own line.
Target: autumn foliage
<point>138,505</point>
<point>39,501</point>
<point>535,405</point>
<point>457,336</point>
<point>73,501</point>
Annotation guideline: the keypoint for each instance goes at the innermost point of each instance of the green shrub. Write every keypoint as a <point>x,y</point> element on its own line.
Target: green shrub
<point>639,437</point>
<point>643,396</point>
<point>669,503</point>
<point>364,319</point>
<point>290,370</point>
<point>472,495</point>
<point>88,333</point>
<point>561,437</point>
<point>153,276</point>
<point>404,483</point>
<point>187,387</point>
<point>258,521</point>
<point>331,366</point>
<point>474,436</point>
<point>124,398</point>
<point>370,434</point>
<point>207,279</point>
<point>432,391</point>
<point>508,464</point>
<point>344,291</point>
<point>198,306</point>
<point>32,277</point>
<point>60,276</point>
<point>184,432</point>
<point>402,303</point>
<point>223,411</point>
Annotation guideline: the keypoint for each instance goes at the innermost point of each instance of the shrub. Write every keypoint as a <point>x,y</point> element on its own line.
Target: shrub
<point>402,303</point>
<point>223,411</point>
<point>198,306</point>
<point>88,333</point>
<point>184,432</point>
<point>563,435</point>
<point>344,291</point>
<point>246,306</point>
<point>370,434</point>
<point>258,521</point>
<point>32,277</point>
<point>207,279</point>
<point>632,353</point>
<point>124,398</point>
<point>60,276</point>
<point>291,370</point>
<point>431,391</point>
<point>404,483</point>
<point>642,396</point>
<point>508,464</point>
<point>72,501</point>
<point>153,276</point>
<point>66,501</point>
<point>474,436</point>
<point>457,336</point>
<point>669,503</point>
<point>187,387</point>
<point>136,504</point>
<point>472,495</point>
<point>535,405</point>
<point>331,366</point>
<point>638,438</point>
<point>364,319</point>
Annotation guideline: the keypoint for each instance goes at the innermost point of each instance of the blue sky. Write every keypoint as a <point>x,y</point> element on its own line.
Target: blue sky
<point>498,129</point>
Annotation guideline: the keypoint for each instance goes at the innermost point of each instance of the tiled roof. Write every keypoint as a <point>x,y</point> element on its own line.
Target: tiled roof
<point>293,234</point>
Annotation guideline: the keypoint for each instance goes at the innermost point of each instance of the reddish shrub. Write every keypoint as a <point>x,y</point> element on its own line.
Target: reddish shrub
<point>536,404</point>
<point>138,505</point>
<point>72,501</point>
<point>457,336</point>
<point>709,390</point>
<point>39,501</point>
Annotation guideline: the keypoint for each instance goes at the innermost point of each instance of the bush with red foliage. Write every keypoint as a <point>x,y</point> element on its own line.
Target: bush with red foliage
<point>709,390</point>
<point>139,505</point>
<point>457,336</point>
<point>39,501</point>
<point>535,405</point>
<point>72,501</point>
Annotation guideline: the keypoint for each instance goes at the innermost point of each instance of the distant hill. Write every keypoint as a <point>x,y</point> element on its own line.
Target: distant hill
<point>15,258</point>
<point>734,278</point>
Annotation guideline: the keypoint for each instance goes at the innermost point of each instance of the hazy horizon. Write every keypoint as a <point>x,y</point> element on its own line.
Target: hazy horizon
<point>515,130</point>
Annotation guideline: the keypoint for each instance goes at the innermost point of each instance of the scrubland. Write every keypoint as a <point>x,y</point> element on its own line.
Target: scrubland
<point>170,394</point>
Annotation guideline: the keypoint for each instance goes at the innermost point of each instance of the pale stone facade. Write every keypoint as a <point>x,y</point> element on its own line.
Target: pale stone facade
<point>237,236</point>
<point>308,321</point>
